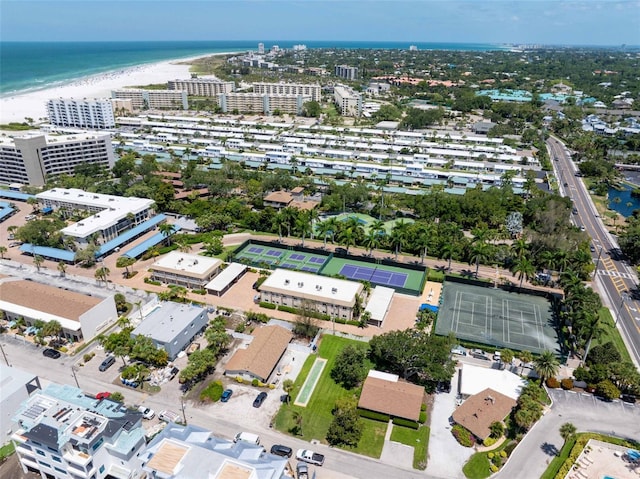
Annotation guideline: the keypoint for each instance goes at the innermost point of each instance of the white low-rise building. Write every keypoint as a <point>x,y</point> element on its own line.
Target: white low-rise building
<point>188,270</point>
<point>331,296</point>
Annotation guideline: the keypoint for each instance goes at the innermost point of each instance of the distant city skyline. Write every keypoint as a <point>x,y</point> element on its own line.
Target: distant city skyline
<point>556,22</point>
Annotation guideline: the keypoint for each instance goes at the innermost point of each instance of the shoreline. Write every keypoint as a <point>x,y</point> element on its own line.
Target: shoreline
<point>15,108</point>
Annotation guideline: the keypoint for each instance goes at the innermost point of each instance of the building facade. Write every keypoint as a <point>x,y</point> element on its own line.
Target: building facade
<point>262,103</point>
<point>65,434</point>
<point>331,296</point>
<point>94,114</point>
<point>202,86</point>
<point>33,159</point>
<point>188,270</point>
<point>153,99</point>
<point>17,386</point>
<point>82,317</point>
<point>349,102</point>
<point>313,90</point>
<point>173,326</point>
<point>110,214</point>
<point>346,72</point>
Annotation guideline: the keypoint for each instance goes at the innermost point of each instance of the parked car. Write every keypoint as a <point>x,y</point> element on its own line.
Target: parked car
<point>174,371</point>
<point>257,402</point>
<point>280,450</point>
<point>107,363</point>
<point>302,471</point>
<point>630,398</point>
<point>168,416</point>
<point>249,437</point>
<point>51,353</point>
<point>147,413</point>
<point>226,395</point>
<point>101,396</point>
<point>311,457</point>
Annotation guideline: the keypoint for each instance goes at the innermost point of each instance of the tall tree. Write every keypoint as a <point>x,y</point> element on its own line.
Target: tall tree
<point>546,365</point>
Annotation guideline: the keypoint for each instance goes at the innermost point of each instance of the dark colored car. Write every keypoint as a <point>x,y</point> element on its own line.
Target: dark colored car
<point>107,363</point>
<point>51,353</point>
<point>630,398</point>
<point>174,371</point>
<point>341,251</point>
<point>226,395</point>
<point>280,450</point>
<point>257,402</point>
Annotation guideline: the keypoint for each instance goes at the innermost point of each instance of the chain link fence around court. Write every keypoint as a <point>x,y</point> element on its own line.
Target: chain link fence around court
<point>498,318</point>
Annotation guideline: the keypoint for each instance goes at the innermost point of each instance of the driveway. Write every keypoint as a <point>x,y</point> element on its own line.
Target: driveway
<point>539,446</point>
<point>446,456</point>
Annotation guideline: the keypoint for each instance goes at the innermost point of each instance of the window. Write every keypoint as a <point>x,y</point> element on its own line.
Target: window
<point>101,470</point>
<point>44,464</point>
<point>56,458</point>
<point>40,452</point>
<point>60,470</point>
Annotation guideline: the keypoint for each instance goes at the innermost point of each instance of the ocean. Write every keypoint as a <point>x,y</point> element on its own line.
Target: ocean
<point>26,66</point>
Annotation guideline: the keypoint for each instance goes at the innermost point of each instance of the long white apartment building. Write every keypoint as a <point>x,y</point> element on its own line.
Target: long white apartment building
<point>32,159</point>
<point>262,103</point>
<point>94,113</point>
<point>349,102</point>
<point>108,215</point>
<point>63,433</point>
<point>153,99</point>
<point>314,90</point>
<point>202,86</point>
<point>346,72</point>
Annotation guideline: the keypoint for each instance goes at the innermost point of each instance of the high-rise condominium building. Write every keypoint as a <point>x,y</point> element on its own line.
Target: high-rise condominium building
<point>261,48</point>
<point>202,86</point>
<point>32,159</point>
<point>346,72</point>
<point>153,99</point>
<point>262,103</point>
<point>348,102</point>
<point>307,89</point>
<point>95,114</point>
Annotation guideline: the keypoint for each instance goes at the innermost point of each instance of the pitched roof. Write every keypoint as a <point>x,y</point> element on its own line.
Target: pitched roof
<point>263,353</point>
<point>283,197</point>
<point>480,410</point>
<point>398,399</point>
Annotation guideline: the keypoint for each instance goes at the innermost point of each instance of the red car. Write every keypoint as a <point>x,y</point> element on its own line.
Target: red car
<point>101,396</point>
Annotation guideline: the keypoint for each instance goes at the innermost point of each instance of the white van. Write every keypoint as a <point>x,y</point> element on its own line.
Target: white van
<point>168,416</point>
<point>247,437</point>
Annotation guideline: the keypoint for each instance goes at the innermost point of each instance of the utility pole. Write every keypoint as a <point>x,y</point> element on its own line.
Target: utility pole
<point>184,416</point>
<point>595,272</point>
<point>73,371</point>
<point>4,355</point>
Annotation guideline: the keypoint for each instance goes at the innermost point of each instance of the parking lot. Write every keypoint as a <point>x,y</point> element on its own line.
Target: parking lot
<point>572,400</point>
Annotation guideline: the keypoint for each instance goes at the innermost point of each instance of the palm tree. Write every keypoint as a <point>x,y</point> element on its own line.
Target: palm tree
<point>347,238</point>
<point>303,225</point>
<point>447,252</point>
<point>561,260</point>
<point>3,250</point>
<point>62,267</point>
<point>287,387</point>
<point>333,227</point>
<point>398,237</point>
<point>567,430</point>
<point>37,261</point>
<point>523,268</point>
<point>279,219</point>
<point>102,274</point>
<point>322,231</point>
<point>546,365</point>
<point>479,252</point>
<point>183,246</point>
<point>519,248</point>
<point>298,420</point>
<point>525,358</point>
<point>125,262</point>
<point>372,240</point>
<point>167,231</point>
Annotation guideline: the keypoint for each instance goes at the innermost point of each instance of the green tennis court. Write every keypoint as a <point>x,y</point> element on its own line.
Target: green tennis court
<point>378,274</point>
<point>497,318</point>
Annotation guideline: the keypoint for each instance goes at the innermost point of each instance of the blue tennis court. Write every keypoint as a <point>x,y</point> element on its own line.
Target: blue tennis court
<point>309,269</point>
<point>255,250</point>
<point>288,266</point>
<point>274,253</point>
<point>374,275</point>
<point>317,260</point>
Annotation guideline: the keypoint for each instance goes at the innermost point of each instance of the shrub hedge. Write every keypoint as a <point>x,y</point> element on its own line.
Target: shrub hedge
<point>398,421</point>
<point>567,383</point>
<point>489,441</point>
<point>423,417</point>
<point>264,304</point>
<point>552,383</point>
<point>213,392</point>
<point>464,437</point>
<point>376,416</point>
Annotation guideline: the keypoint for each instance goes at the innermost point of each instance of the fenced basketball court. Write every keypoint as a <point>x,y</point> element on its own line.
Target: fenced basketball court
<point>497,317</point>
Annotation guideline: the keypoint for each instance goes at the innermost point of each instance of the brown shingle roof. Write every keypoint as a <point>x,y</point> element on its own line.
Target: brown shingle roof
<point>304,205</point>
<point>282,197</point>
<point>262,355</point>
<point>398,399</point>
<point>47,299</point>
<point>480,410</point>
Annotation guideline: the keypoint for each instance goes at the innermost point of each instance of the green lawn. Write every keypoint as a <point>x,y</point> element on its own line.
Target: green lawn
<point>477,467</point>
<point>611,333</point>
<point>418,439</point>
<point>6,450</point>
<point>317,417</point>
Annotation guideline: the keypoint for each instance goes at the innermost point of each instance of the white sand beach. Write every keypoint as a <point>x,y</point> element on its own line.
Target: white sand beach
<point>32,104</point>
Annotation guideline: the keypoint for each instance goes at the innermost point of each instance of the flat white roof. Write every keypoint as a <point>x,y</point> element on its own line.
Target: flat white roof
<point>114,208</point>
<point>382,375</point>
<point>191,264</point>
<point>379,302</point>
<point>165,322</point>
<point>307,285</point>
<point>225,277</point>
<point>476,379</point>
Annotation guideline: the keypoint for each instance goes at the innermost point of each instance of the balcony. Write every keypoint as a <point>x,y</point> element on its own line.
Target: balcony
<point>76,458</point>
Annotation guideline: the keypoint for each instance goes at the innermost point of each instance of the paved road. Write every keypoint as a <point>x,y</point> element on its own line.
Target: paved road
<point>530,459</point>
<point>616,279</point>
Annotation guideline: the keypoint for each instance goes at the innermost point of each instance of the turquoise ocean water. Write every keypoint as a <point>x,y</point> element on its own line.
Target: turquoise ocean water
<point>26,66</point>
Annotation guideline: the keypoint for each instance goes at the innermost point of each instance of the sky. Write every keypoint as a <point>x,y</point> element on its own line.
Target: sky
<point>556,22</point>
